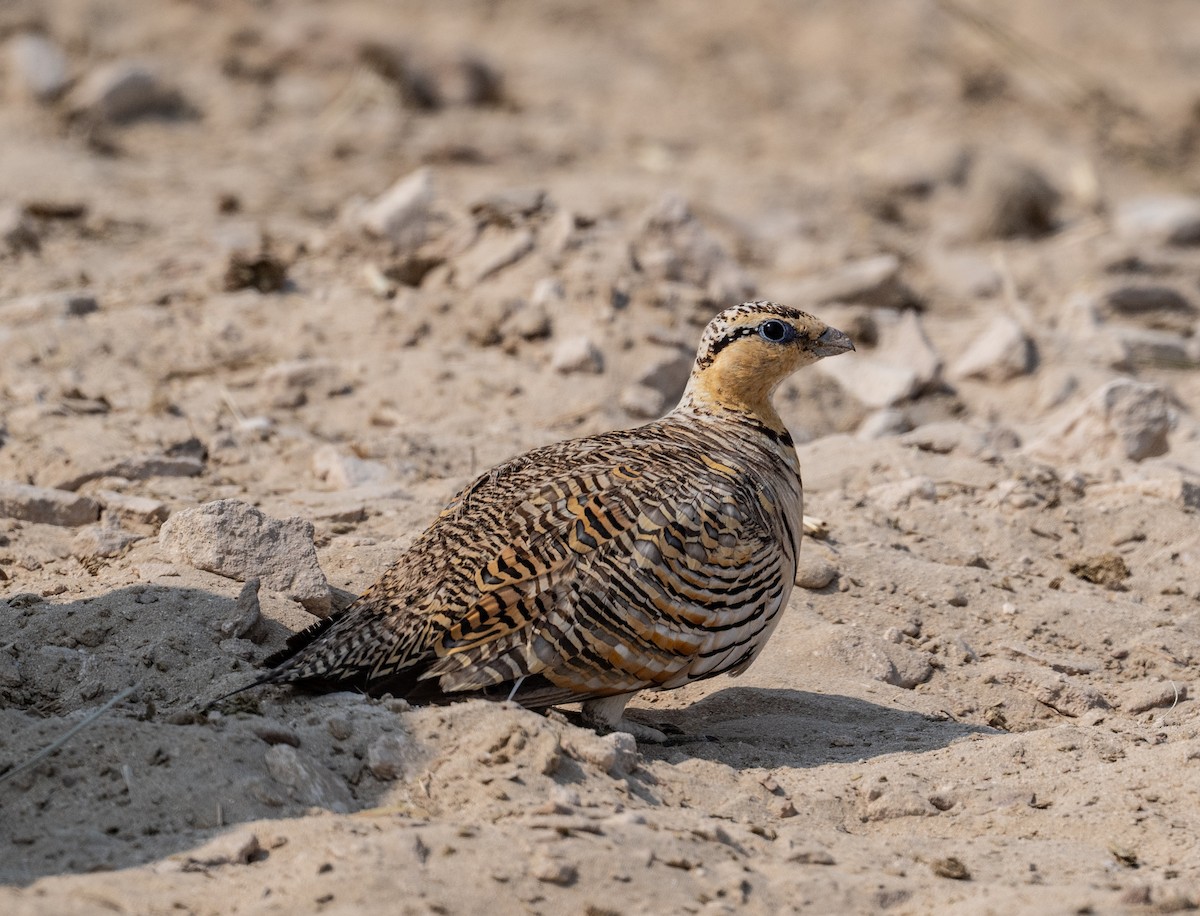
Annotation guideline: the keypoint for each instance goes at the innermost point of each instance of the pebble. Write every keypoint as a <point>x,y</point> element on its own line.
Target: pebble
<point>884,661</point>
<point>46,506</point>
<point>1009,198</point>
<point>17,233</point>
<point>289,384</point>
<point>123,91</point>
<point>1174,220</point>
<point>495,250</point>
<point>813,572</point>
<point>615,753</point>
<point>551,869</point>
<point>883,423</point>
<point>510,207</point>
<point>1123,419</point>
<point>401,213</point>
<point>39,65</point>
<point>140,467</point>
<point>899,494</point>
<point>1144,697</point>
<point>343,472</point>
<point>234,539</point>
<point>1058,691</point>
<point>387,757</point>
<point>577,354</point>
<point>1156,305</point>
<point>308,782</point>
<point>105,540</point>
<point>1002,351</point>
<point>139,510</point>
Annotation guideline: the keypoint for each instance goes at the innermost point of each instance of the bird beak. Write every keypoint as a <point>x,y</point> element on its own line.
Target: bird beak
<point>831,343</point>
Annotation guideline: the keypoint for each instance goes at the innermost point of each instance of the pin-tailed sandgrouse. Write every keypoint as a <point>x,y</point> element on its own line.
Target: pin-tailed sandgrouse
<point>588,570</point>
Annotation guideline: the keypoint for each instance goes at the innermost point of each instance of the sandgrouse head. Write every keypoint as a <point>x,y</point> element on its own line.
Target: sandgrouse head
<point>747,350</point>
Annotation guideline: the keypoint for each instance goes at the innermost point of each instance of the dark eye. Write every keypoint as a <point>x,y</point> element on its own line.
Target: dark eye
<point>775,331</point>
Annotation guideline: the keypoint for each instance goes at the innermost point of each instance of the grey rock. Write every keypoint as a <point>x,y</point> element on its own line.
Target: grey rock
<point>509,207</point>
<point>307,781</point>
<point>389,756</point>
<point>577,354</point>
<point>1123,419</point>
<point>140,467</point>
<point>1154,305</point>
<point>247,619</point>
<point>899,494</point>
<point>1158,349</point>
<point>402,212</point>
<point>39,65</point>
<point>1173,220</point>
<point>1002,351</point>
<point>123,91</point>
<point>46,506</point>
<point>236,540</point>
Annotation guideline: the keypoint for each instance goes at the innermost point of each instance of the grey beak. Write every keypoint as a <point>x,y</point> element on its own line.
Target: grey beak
<point>831,343</point>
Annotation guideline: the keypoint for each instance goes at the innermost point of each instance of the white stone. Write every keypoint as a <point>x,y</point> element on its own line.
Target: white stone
<point>122,91</point>
<point>1171,219</point>
<point>401,213</point>
<point>342,471</point>
<point>39,64</point>
<point>577,354</point>
<point>899,369</point>
<point>1124,419</point>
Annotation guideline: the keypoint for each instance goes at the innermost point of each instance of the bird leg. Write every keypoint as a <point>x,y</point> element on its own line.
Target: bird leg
<point>606,715</point>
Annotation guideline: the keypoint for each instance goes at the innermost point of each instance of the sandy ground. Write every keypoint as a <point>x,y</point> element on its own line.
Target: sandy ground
<point>983,699</point>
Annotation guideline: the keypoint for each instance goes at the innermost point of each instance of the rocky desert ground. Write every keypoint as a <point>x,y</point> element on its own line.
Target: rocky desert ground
<point>276,278</point>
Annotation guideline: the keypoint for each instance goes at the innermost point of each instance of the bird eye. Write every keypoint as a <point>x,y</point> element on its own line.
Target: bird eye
<point>774,331</point>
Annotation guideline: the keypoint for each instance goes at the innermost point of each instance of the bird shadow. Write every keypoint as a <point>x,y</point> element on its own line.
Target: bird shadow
<point>782,727</point>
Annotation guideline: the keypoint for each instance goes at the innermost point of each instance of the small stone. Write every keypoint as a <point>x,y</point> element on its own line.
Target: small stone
<point>1061,693</point>
<point>106,540</point>
<point>508,208</point>
<point>899,494</point>
<point>1001,352</point>
<point>813,572</point>
<point>140,467</point>
<point>289,384</point>
<point>643,402</point>
<point>247,619</point>
<point>883,423</point>
<point>339,728</point>
<point>124,91</point>
<point>1108,569</point>
<point>308,782</point>
<point>46,506</point>
<point>387,757</point>
<point>950,867</point>
<point>17,235</point>
<point>343,472</point>
<point>139,510</point>
<point>1144,697</point>
<point>884,661</point>
<point>402,212</point>
<point>1157,306</point>
<point>1008,198</point>
<point>551,869</point>
<point>615,753</point>
<point>1123,419</point>
<point>238,847</point>
<point>259,270</point>
<point>234,539</point>
<point>39,65</point>
<point>1174,220</point>
<point>577,354</point>
<point>495,250</point>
